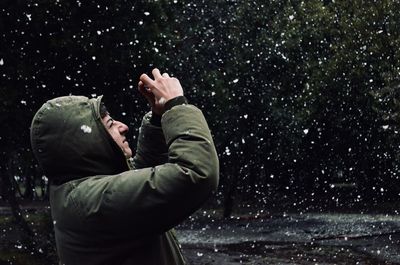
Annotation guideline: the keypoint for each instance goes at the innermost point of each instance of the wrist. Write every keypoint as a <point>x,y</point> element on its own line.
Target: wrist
<point>179,100</point>
<point>155,119</point>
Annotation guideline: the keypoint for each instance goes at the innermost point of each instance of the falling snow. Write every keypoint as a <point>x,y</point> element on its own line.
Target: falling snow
<point>302,99</point>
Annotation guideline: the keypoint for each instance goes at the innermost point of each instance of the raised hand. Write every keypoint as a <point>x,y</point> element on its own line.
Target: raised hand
<point>159,90</point>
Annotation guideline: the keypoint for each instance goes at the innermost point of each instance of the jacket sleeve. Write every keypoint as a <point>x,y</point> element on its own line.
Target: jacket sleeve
<point>151,148</point>
<point>155,199</point>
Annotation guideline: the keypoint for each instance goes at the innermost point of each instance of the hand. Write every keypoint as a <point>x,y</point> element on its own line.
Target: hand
<point>159,90</point>
<point>157,106</point>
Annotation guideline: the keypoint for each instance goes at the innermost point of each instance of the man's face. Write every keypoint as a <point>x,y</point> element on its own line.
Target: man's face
<point>117,131</point>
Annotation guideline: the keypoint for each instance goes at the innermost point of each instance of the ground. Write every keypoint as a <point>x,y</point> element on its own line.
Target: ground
<point>249,237</point>
<point>312,238</point>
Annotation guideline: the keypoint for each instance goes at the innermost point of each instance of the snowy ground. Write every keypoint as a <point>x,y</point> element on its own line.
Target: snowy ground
<point>294,239</point>
<point>291,238</point>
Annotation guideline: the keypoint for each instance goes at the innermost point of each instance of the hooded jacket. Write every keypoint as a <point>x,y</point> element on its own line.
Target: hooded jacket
<point>106,212</point>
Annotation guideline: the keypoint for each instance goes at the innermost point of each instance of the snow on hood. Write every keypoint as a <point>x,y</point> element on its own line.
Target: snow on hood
<point>69,139</point>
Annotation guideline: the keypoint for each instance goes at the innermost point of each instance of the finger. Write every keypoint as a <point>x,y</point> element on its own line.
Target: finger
<point>146,80</point>
<point>147,94</point>
<point>165,75</point>
<point>144,90</point>
<point>140,85</point>
<point>156,73</point>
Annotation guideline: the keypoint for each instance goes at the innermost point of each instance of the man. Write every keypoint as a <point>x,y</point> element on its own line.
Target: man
<point>105,211</point>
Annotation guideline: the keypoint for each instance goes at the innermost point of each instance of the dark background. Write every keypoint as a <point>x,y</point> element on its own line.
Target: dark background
<point>299,95</point>
<point>302,97</point>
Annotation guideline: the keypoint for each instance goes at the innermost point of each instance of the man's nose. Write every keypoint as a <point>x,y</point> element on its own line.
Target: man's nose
<point>123,128</point>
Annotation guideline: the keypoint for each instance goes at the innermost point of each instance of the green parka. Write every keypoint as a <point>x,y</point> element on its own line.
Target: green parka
<point>105,211</point>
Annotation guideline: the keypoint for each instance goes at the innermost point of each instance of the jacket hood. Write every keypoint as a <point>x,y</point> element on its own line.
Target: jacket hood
<point>70,141</point>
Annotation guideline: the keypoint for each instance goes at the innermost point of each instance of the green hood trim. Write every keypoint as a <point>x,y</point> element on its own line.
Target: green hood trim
<point>70,141</point>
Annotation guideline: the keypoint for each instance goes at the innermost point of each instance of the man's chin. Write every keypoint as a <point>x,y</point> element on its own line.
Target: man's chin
<point>128,154</point>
